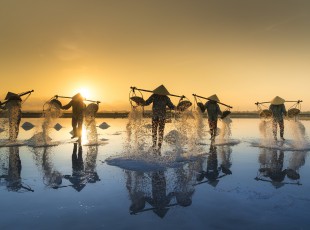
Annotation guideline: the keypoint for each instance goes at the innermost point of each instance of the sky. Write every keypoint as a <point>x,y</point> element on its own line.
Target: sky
<point>242,50</point>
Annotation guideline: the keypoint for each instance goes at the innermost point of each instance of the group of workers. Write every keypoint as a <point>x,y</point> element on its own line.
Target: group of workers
<point>160,101</point>
<point>13,105</point>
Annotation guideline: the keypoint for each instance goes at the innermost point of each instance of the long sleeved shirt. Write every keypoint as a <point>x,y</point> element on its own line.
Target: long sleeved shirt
<point>78,108</point>
<point>159,105</point>
<point>278,111</point>
<point>213,110</point>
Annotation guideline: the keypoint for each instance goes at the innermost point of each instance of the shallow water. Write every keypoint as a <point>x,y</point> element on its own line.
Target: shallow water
<point>235,184</point>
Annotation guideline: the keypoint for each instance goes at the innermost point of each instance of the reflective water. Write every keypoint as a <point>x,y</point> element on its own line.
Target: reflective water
<point>230,185</point>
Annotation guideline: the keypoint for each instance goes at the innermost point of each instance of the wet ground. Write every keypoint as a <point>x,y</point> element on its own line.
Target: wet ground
<point>239,183</point>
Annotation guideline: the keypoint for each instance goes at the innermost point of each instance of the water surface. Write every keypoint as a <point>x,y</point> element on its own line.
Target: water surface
<point>235,185</point>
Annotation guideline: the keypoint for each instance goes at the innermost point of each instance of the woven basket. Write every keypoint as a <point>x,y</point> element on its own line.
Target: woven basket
<point>183,105</point>
<point>266,113</point>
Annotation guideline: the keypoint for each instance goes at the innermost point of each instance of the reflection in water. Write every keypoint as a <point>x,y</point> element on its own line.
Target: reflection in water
<point>297,160</point>
<point>77,178</point>
<point>51,177</point>
<point>272,168</point>
<point>83,173</point>
<point>212,173</point>
<point>137,131</point>
<point>154,190</point>
<point>160,200</point>
<point>12,178</point>
<point>91,130</point>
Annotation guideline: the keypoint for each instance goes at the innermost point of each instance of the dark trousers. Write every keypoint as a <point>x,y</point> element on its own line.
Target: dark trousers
<point>14,126</point>
<point>275,127</point>
<point>158,124</point>
<point>213,127</point>
<point>77,123</point>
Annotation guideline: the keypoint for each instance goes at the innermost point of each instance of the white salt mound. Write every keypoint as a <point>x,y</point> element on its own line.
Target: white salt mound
<point>57,126</point>
<point>104,125</point>
<point>27,126</point>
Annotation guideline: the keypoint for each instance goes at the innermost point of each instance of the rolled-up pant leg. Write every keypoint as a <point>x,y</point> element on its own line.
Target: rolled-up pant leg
<point>281,125</point>
<point>274,128</point>
<point>155,123</point>
<point>161,130</point>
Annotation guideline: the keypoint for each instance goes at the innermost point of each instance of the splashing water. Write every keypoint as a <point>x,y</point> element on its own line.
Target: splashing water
<point>41,136</point>
<point>137,131</point>
<point>91,129</point>
<point>13,115</point>
<point>199,125</point>
<point>185,125</point>
<point>298,132</point>
<point>265,129</point>
<point>225,133</point>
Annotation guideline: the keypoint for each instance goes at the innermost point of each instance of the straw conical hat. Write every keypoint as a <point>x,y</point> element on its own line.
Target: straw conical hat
<point>277,101</point>
<point>214,98</point>
<point>12,96</point>
<point>161,90</point>
<point>77,97</point>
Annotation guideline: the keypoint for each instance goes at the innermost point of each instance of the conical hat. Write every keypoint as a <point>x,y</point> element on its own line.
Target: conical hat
<point>77,97</point>
<point>161,90</point>
<point>12,96</point>
<point>214,98</point>
<point>277,101</point>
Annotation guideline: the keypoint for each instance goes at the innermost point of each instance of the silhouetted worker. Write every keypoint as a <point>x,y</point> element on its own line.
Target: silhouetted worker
<point>213,111</point>
<point>160,101</point>
<point>278,110</point>
<point>13,105</point>
<point>78,107</point>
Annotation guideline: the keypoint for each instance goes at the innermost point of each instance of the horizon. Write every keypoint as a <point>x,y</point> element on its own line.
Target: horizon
<point>243,51</point>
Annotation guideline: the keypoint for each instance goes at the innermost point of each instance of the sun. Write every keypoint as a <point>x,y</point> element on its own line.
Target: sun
<point>84,92</point>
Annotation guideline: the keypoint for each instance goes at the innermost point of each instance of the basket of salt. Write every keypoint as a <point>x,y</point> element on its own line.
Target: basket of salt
<point>91,109</point>
<point>225,114</point>
<point>55,103</point>
<point>183,105</point>
<point>293,112</point>
<point>201,107</point>
<point>138,100</point>
<point>266,114</point>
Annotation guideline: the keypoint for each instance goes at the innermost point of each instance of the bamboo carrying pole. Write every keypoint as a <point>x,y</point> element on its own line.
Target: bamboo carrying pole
<point>265,102</point>
<point>195,95</point>
<point>150,91</point>
<point>84,99</point>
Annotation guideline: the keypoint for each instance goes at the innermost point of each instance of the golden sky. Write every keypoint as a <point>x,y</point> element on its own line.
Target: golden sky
<point>244,51</point>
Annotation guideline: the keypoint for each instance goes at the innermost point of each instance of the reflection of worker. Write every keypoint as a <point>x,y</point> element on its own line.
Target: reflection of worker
<point>78,108</point>
<point>78,176</point>
<point>135,184</point>
<point>184,186</point>
<point>160,100</point>
<point>278,110</point>
<point>213,111</point>
<point>14,179</point>
<point>297,160</point>
<point>160,200</point>
<point>13,105</point>
<point>272,166</point>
